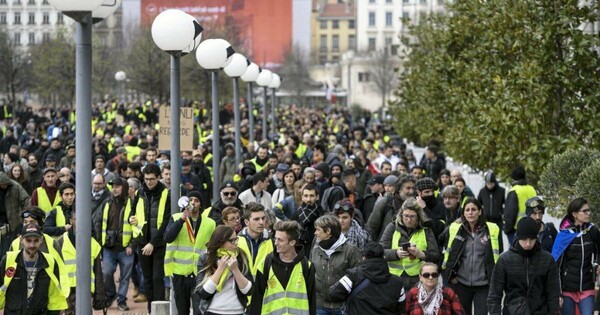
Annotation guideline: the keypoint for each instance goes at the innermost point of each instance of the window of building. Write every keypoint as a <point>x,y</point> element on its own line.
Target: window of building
<point>17,18</point>
<point>406,1</point>
<point>371,1</point>
<point>335,43</point>
<point>46,18</point>
<point>440,2</point>
<point>31,2</point>
<point>351,24</point>
<point>16,1</point>
<point>2,17</point>
<point>323,59</point>
<point>46,37</point>
<point>335,24</point>
<point>388,41</point>
<point>335,59</point>
<point>388,18</point>
<point>388,1</point>
<point>45,2</point>
<point>351,41</point>
<point>60,18</point>
<point>17,38</point>
<point>423,1</point>
<point>405,15</point>
<point>2,1</point>
<point>323,43</point>
<point>371,43</point>
<point>31,38</point>
<point>394,50</point>
<point>31,19</point>
<point>363,77</point>
<point>371,18</point>
<point>323,25</point>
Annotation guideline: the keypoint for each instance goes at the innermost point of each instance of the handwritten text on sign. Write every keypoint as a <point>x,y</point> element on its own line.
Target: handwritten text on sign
<point>186,128</point>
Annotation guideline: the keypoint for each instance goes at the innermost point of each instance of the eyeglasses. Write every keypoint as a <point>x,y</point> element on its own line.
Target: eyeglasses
<point>233,219</point>
<point>233,240</point>
<point>586,211</point>
<point>149,179</point>
<point>409,216</point>
<point>430,275</point>
<point>229,193</point>
<point>339,206</point>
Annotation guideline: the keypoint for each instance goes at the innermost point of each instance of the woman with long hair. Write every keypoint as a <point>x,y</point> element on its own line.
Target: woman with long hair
<point>224,281</point>
<point>472,249</point>
<point>18,174</point>
<point>286,188</point>
<point>575,248</point>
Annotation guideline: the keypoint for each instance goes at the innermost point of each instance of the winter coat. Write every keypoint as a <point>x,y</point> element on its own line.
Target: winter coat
<point>450,303</point>
<point>577,271</point>
<point>432,254</point>
<point>16,199</point>
<point>532,274</point>
<point>384,212</point>
<point>493,202</point>
<point>383,294</point>
<point>331,269</point>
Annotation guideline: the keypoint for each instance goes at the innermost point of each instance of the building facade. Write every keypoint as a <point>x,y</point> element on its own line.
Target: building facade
<point>333,30</point>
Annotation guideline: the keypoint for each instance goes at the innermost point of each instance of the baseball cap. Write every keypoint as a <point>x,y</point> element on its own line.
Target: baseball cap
<point>31,230</point>
<point>377,179</point>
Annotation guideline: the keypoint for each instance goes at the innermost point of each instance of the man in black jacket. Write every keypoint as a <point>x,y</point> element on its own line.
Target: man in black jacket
<point>527,275</point>
<point>491,197</point>
<point>370,288</point>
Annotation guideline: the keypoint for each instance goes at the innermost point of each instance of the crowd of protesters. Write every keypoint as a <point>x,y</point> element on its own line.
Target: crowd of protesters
<point>330,215</point>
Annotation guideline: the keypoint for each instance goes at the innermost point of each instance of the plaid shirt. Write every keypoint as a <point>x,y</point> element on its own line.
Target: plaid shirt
<point>450,304</point>
<point>357,236</point>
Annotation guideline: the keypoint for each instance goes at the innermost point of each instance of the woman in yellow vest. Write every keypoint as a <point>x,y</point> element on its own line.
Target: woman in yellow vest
<point>223,273</point>
<point>472,249</point>
<point>409,241</point>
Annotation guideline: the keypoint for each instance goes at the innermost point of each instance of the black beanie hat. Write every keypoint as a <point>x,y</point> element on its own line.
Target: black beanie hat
<point>323,168</point>
<point>527,228</point>
<point>195,193</point>
<point>518,173</point>
<point>425,183</point>
<point>373,250</point>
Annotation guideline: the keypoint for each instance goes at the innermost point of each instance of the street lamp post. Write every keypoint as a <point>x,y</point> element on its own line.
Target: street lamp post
<point>120,76</point>
<point>212,55</point>
<point>274,85</point>
<point>250,76</point>
<point>236,68</point>
<point>81,12</point>
<point>263,80</point>
<point>174,31</point>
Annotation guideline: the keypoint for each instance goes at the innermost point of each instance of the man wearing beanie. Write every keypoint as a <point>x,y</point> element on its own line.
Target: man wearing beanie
<point>535,209</point>
<point>525,275</point>
<point>186,235</point>
<point>433,207</point>
<point>514,208</point>
<point>370,288</point>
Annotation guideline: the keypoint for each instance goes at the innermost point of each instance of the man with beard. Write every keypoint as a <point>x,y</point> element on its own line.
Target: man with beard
<point>154,219</point>
<point>535,209</point>
<point>228,197</point>
<point>32,279</point>
<point>35,173</point>
<point>308,212</point>
<point>262,158</point>
<point>100,168</point>
<point>432,206</point>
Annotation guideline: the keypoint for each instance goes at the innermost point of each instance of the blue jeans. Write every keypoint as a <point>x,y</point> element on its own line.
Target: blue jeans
<point>110,260</point>
<point>586,306</point>
<point>329,311</point>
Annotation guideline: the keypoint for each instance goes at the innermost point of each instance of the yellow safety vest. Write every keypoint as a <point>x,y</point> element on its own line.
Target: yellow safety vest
<point>44,201</point>
<point>291,300</point>
<point>61,221</point>
<point>258,167</point>
<point>140,209</point>
<point>181,256</point>
<point>16,246</point>
<point>453,230</point>
<point>132,151</point>
<point>141,212</point>
<point>301,150</point>
<point>524,192</point>
<point>70,256</point>
<point>126,226</point>
<point>57,300</point>
<point>265,248</point>
<point>407,265</point>
<point>206,160</point>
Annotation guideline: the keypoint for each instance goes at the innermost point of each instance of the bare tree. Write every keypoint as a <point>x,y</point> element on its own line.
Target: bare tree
<point>294,73</point>
<point>14,67</point>
<point>383,74</point>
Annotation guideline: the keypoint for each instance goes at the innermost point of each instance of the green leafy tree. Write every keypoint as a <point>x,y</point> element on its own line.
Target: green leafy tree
<point>15,67</point>
<point>587,187</point>
<point>502,82</point>
<point>557,182</point>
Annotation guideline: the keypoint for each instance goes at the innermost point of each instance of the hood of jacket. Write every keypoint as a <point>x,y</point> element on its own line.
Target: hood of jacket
<point>375,269</point>
<point>4,179</point>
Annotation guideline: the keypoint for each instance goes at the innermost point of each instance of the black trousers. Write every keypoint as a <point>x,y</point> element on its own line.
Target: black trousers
<point>183,287</point>
<point>154,275</point>
<point>472,296</point>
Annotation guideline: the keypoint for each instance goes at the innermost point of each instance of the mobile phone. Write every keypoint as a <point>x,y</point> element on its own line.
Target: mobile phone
<point>405,246</point>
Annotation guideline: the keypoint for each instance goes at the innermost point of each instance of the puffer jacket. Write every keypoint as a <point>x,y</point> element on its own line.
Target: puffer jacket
<point>16,200</point>
<point>331,269</point>
<point>532,274</point>
<point>576,264</point>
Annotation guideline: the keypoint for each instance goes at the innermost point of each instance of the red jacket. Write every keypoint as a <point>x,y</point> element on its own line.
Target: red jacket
<point>450,304</point>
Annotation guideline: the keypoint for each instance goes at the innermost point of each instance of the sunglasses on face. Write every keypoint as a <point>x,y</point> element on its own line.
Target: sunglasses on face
<point>430,275</point>
<point>229,193</point>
